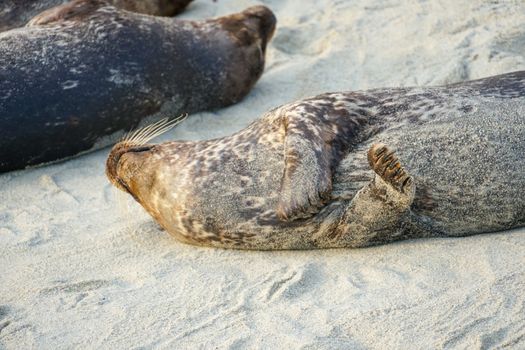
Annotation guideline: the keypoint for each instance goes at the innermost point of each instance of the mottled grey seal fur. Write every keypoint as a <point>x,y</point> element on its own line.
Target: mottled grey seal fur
<point>16,13</point>
<point>321,173</point>
<point>85,71</point>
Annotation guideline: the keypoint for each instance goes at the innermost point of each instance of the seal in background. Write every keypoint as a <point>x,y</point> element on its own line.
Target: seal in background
<point>89,71</point>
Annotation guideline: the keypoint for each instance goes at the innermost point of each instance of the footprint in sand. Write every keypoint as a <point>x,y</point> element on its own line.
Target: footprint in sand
<point>297,41</point>
<point>296,283</point>
<point>76,287</point>
<point>4,311</point>
<point>72,295</point>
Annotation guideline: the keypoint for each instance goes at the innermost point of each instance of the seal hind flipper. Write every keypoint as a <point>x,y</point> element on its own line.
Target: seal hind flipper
<point>385,163</point>
<point>16,13</point>
<point>67,11</point>
<point>372,216</point>
<point>157,8</point>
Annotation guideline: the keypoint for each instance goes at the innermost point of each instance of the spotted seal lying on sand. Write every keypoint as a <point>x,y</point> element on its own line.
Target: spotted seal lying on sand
<point>322,172</point>
<point>16,13</point>
<point>86,70</point>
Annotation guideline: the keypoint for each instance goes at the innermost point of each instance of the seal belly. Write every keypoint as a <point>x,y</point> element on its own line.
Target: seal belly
<point>467,164</point>
<point>233,193</point>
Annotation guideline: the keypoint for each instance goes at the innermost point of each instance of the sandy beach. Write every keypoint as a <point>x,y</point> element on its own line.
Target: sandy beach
<point>84,267</point>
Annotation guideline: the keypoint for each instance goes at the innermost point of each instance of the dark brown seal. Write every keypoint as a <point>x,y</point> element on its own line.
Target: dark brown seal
<point>322,173</point>
<point>90,71</point>
<point>16,13</point>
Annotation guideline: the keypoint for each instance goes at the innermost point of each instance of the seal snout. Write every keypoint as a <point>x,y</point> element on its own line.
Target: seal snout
<point>114,159</point>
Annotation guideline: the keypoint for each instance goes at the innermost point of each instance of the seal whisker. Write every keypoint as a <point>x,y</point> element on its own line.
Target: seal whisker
<point>137,135</point>
<point>131,135</point>
<point>142,133</point>
<point>158,129</point>
<point>162,130</point>
<point>127,136</point>
<point>145,135</point>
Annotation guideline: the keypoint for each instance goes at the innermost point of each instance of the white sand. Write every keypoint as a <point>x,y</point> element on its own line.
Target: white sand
<point>77,272</point>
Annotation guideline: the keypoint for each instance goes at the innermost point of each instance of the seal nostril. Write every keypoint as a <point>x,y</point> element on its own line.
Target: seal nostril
<point>136,149</point>
<point>139,149</point>
<point>114,159</point>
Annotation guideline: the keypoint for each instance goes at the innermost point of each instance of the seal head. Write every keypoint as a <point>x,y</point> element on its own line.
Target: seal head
<point>119,169</point>
<point>114,165</point>
<point>251,30</point>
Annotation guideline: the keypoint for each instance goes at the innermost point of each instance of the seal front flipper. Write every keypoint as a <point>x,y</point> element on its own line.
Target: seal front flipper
<point>317,135</point>
<point>309,160</point>
<point>373,216</point>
